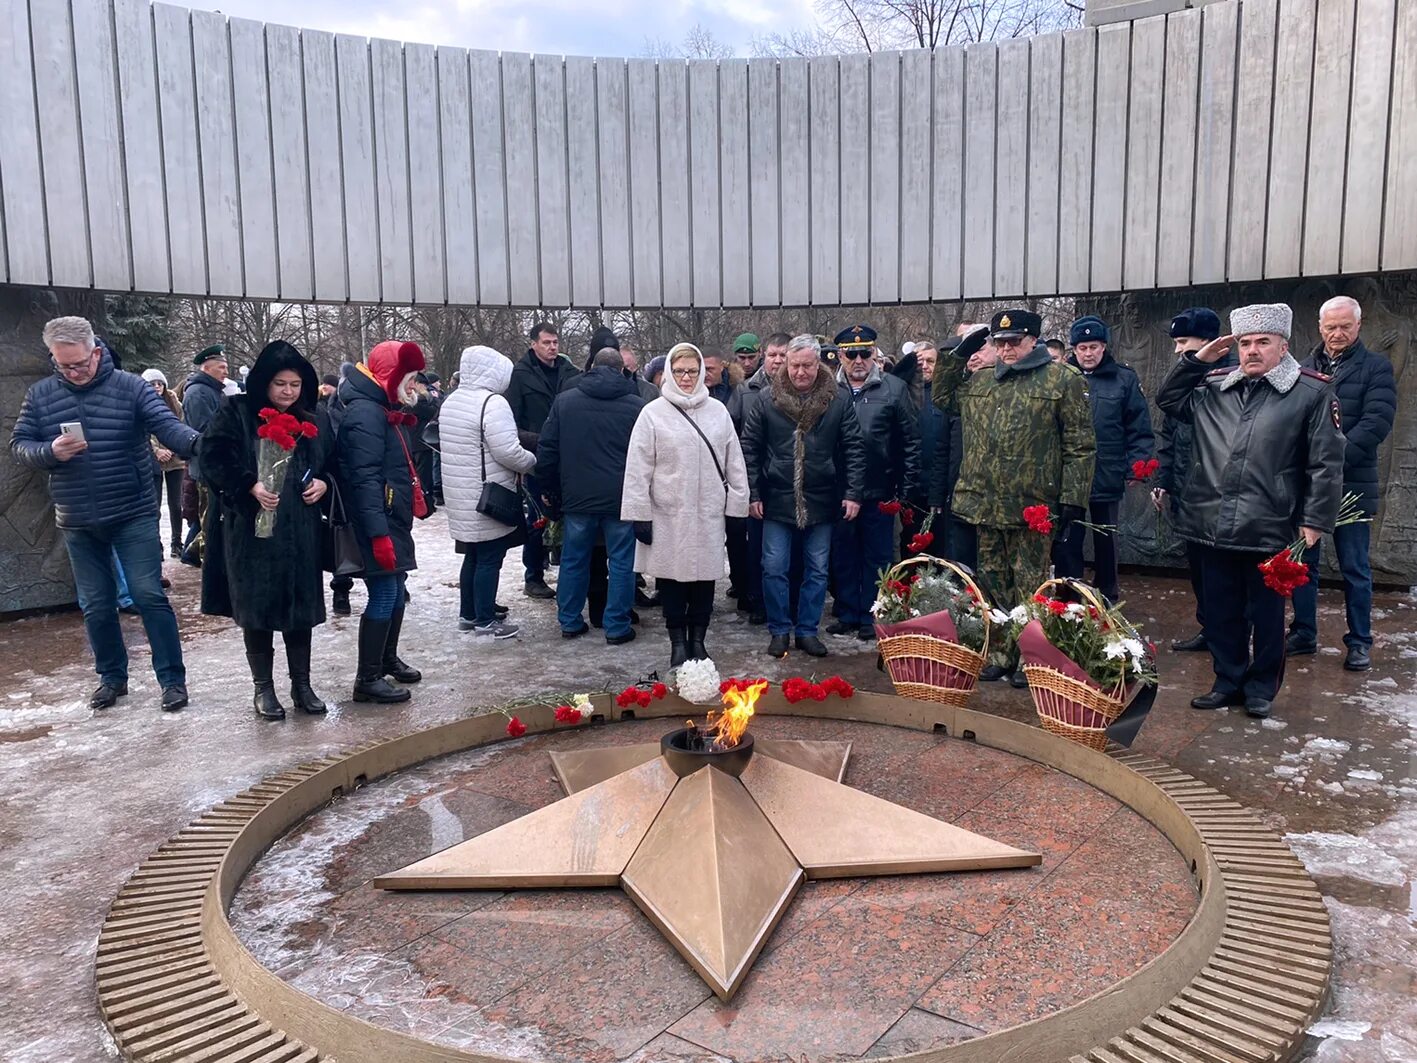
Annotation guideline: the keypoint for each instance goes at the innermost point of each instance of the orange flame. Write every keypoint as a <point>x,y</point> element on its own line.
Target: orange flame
<point>737,711</point>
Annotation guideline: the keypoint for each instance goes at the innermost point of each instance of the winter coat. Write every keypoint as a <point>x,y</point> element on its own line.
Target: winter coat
<point>890,430</point>
<point>485,376</point>
<point>201,396</point>
<point>672,482</point>
<point>1121,423</point>
<point>173,463</point>
<point>729,391</point>
<point>1367,400</point>
<point>647,391</point>
<point>373,447</point>
<point>1259,470</point>
<point>1173,447</point>
<point>1026,435</point>
<point>111,481</point>
<point>581,456</point>
<point>273,584</point>
<point>532,391</point>
<point>936,455</point>
<point>801,475</point>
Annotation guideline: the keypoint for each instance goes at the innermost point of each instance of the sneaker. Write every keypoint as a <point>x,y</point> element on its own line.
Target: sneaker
<point>538,589</point>
<point>174,697</point>
<point>498,629</point>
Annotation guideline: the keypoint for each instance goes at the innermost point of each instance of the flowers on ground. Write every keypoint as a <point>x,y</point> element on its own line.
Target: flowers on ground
<point>798,689</point>
<point>515,727</point>
<point>577,711</point>
<point>698,681</point>
<point>641,694</point>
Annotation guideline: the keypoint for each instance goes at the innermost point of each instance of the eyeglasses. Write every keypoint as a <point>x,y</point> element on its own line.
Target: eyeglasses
<point>73,368</point>
<point>691,372</point>
<point>1008,341</point>
<point>857,352</point>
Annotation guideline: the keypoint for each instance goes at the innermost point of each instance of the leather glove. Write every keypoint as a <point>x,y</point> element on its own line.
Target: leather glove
<point>528,440</point>
<point>1067,517</point>
<point>644,532</point>
<point>383,548</point>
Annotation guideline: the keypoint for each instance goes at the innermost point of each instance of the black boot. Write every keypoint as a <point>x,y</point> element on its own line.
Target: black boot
<point>304,698</point>
<point>265,702</point>
<point>678,646</point>
<point>401,672</point>
<point>369,681</point>
<point>696,642</point>
<point>339,603</point>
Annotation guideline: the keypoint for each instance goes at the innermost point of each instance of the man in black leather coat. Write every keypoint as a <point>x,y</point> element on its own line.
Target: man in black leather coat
<point>1266,466</point>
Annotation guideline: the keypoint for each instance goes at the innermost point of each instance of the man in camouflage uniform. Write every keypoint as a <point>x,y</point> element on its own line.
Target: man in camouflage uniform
<point>1028,441</point>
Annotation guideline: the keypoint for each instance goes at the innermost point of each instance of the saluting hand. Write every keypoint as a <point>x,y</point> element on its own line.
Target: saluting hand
<point>1215,350</point>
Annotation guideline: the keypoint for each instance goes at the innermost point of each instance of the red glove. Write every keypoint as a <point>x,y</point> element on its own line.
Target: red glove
<point>384,552</point>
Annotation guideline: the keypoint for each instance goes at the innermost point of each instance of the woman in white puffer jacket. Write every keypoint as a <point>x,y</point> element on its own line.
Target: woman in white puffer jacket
<point>476,424</point>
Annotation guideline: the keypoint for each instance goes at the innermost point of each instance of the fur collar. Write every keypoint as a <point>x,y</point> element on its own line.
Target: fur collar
<point>804,410</point>
<point>1282,377</point>
<point>1039,356</point>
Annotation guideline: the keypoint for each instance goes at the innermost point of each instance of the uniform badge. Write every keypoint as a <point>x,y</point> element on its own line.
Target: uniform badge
<point>1004,322</point>
<point>1337,415</point>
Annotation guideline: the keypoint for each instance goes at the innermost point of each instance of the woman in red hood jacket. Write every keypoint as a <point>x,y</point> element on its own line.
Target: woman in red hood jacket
<point>381,495</point>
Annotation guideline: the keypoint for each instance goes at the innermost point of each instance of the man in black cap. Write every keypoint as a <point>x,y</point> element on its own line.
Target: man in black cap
<point>1122,424</point>
<point>1190,331</point>
<point>1027,441</point>
<point>890,432</point>
<point>201,396</point>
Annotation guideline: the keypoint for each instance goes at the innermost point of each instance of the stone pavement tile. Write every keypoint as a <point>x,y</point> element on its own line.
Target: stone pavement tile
<point>1041,796</point>
<point>458,902</point>
<point>380,929</point>
<point>921,1031</point>
<point>812,902</point>
<point>947,780</point>
<point>834,989</point>
<point>526,779</point>
<point>605,1001</point>
<point>666,1048</point>
<point>458,977</point>
<point>535,931</point>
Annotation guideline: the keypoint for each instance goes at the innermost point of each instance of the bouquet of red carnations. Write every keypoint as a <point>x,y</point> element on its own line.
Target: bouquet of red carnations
<point>1286,571</point>
<point>276,437</point>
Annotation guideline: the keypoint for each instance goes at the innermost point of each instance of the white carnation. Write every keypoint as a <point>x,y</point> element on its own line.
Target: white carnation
<point>998,616</point>
<point>1075,612</point>
<point>698,681</point>
<point>1115,650</point>
<point>1019,614</point>
<point>581,703</point>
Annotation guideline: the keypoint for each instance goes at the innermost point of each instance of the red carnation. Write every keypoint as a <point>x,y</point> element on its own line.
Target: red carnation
<point>539,523</point>
<point>907,517</point>
<point>515,727</point>
<point>890,508</point>
<point>267,412</point>
<point>817,692</point>
<point>566,714</point>
<point>1283,574</point>
<point>921,542</point>
<point>659,690</point>
<point>308,429</point>
<point>1056,607</point>
<point>1038,519</point>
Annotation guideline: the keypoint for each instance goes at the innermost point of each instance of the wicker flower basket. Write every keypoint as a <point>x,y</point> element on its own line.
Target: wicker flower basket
<point>1068,702</point>
<point>922,658</point>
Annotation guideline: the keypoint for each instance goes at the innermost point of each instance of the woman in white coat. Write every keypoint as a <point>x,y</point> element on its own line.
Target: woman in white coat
<point>477,432</point>
<point>684,474</point>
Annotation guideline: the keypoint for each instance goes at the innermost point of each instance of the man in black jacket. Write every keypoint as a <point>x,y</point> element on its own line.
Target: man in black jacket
<point>1190,331</point>
<point>537,379</point>
<point>1267,464</point>
<point>1122,425</point>
<point>1367,400</point>
<point>806,469</point>
<point>580,464</point>
<point>201,395</point>
<point>890,432</point>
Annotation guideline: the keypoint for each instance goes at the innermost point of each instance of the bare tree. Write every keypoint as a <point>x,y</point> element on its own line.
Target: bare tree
<point>699,42</point>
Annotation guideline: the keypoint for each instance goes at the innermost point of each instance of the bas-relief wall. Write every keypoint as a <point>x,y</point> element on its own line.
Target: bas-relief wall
<point>1140,338</point>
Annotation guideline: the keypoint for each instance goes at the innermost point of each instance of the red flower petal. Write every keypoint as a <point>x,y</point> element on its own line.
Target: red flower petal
<point>515,727</point>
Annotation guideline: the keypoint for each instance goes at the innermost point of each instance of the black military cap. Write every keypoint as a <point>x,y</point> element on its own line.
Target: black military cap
<point>1199,321</point>
<point>1009,323</point>
<point>828,351</point>
<point>856,336</point>
<point>216,350</point>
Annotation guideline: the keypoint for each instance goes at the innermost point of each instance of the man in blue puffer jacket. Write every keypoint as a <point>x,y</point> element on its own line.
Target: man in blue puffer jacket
<point>1123,426</point>
<point>88,426</point>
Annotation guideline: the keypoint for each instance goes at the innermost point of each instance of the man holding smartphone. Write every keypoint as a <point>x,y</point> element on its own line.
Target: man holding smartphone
<point>88,425</point>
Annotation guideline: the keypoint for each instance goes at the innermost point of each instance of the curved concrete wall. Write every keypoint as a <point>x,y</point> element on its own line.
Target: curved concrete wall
<point>154,148</point>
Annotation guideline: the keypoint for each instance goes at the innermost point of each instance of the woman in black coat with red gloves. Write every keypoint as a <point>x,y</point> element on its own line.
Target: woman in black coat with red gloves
<point>274,583</point>
<point>382,496</point>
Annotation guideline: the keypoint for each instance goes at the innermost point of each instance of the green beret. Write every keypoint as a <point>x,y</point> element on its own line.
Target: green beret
<point>216,350</point>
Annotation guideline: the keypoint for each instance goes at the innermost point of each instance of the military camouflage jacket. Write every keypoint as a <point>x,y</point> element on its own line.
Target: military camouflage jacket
<point>1028,437</point>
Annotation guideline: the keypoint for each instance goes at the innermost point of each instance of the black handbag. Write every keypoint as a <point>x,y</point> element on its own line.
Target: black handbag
<point>500,503</point>
<point>340,550</point>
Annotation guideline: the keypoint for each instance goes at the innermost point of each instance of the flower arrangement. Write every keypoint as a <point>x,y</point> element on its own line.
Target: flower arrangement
<point>933,625</point>
<point>1097,638</point>
<point>698,681</point>
<point>794,688</point>
<point>936,590</point>
<point>1287,571</point>
<point>276,437</point>
<point>641,694</point>
<point>578,711</point>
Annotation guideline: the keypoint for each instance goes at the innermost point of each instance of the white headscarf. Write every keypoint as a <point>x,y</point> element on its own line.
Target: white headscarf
<point>670,388</point>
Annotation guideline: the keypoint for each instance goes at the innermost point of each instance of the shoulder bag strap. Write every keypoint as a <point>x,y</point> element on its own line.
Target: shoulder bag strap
<point>716,463</point>
<point>482,435</point>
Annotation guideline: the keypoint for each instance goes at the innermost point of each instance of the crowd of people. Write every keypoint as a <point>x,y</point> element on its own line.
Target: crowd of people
<point>795,468</point>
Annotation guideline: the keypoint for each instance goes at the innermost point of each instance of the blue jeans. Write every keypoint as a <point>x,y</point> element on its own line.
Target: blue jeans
<point>778,539</point>
<point>579,534</point>
<point>861,548</point>
<point>1351,541</point>
<point>125,597</point>
<point>135,545</point>
<point>477,583</point>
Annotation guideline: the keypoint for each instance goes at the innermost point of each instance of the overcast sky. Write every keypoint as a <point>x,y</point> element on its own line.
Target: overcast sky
<point>557,27</point>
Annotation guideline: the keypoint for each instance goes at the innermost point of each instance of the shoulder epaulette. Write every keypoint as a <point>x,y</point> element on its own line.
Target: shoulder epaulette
<point>1224,370</point>
<point>1315,374</point>
<point>1069,367</point>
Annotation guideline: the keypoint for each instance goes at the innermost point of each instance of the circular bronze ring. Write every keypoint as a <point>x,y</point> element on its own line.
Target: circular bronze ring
<point>1241,982</point>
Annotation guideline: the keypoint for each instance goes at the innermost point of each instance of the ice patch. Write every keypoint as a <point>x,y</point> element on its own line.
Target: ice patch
<point>1326,745</point>
<point>1387,683</point>
<point>1343,1029</point>
<point>1346,856</point>
<point>1366,776</point>
<point>1271,724</point>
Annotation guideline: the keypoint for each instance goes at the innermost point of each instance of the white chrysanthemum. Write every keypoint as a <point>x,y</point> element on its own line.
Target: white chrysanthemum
<point>1019,614</point>
<point>876,607</point>
<point>581,703</point>
<point>698,682</point>
<point>998,616</point>
<point>1115,650</point>
<point>1075,612</point>
<point>1134,648</point>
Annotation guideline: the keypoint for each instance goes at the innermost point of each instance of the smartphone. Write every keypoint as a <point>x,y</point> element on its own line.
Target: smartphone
<point>72,428</point>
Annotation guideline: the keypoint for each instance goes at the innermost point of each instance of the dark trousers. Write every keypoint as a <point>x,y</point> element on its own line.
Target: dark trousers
<point>478,579</point>
<point>1244,623</point>
<point>685,604</point>
<point>961,541</point>
<point>173,479</point>
<point>1193,560</point>
<point>1351,541</point>
<point>261,641</point>
<point>755,563</point>
<point>736,541</point>
<point>534,549</point>
<point>861,548</point>
<point>1067,551</point>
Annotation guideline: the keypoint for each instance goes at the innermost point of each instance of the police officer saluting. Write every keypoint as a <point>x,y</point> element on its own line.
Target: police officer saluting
<point>1028,441</point>
<point>1266,462</point>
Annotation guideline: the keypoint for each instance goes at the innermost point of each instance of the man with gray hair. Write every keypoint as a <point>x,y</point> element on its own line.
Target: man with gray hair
<point>88,426</point>
<point>1367,403</point>
<point>1266,466</point>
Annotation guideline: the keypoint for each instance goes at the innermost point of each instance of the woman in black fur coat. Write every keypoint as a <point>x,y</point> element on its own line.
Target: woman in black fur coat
<point>274,584</point>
